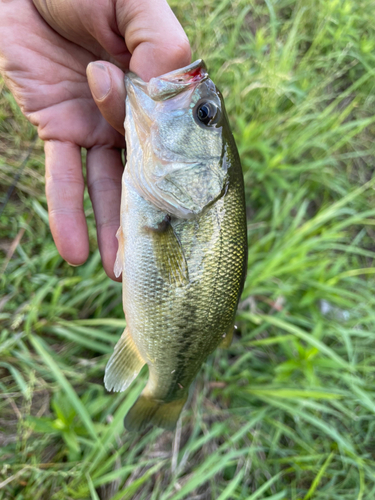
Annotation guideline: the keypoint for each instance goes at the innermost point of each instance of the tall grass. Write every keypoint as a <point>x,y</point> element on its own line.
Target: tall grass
<point>287,412</point>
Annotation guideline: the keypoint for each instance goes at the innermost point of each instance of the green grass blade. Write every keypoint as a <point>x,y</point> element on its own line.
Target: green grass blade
<point>66,386</point>
<point>93,493</point>
<point>318,477</point>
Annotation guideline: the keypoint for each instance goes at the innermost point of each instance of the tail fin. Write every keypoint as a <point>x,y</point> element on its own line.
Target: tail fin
<point>147,410</point>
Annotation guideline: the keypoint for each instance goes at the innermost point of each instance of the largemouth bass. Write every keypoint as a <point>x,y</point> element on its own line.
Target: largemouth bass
<point>182,240</point>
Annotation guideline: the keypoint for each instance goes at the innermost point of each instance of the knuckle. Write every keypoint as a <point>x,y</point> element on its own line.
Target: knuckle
<point>103,185</point>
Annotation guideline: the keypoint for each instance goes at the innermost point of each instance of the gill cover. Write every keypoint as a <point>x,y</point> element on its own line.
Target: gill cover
<point>174,139</point>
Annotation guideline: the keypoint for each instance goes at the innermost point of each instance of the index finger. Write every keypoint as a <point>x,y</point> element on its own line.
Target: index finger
<point>64,189</point>
<point>153,36</point>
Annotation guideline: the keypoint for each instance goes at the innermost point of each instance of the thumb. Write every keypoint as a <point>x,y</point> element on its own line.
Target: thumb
<point>106,82</point>
<point>153,36</point>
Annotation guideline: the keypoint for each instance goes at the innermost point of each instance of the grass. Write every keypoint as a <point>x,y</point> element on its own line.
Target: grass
<point>287,412</point>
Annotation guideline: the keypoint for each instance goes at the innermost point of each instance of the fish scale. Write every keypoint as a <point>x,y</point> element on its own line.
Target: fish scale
<point>182,258</point>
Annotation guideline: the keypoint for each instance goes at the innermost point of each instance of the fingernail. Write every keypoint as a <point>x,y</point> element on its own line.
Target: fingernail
<point>100,80</point>
<point>73,265</point>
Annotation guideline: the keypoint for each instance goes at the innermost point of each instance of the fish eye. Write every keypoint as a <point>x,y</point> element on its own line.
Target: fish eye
<point>207,113</point>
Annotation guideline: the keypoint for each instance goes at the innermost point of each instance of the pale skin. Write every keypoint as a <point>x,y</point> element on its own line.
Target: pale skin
<point>63,60</point>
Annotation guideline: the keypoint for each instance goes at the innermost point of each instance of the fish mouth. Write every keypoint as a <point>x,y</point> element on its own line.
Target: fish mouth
<point>170,84</point>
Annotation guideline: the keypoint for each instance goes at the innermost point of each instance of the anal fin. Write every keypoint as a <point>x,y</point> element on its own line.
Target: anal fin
<point>124,364</point>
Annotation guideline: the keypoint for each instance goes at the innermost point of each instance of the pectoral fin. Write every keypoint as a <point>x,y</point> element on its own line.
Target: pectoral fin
<point>119,262</point>
<point>169,255</point>
<point>124,364</point>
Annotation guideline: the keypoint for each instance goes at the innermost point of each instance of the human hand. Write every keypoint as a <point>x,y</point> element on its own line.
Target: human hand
<point>45,49</point>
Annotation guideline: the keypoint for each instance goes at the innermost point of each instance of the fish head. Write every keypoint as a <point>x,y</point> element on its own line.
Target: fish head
<point>175,126</point>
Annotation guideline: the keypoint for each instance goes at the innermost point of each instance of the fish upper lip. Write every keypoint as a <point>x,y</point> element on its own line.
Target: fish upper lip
<point>199,63</point>
<point>170,84</point>
<point>190,68</point>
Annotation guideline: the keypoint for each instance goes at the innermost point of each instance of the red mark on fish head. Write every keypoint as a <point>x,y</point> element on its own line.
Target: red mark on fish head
<point>195,75</point>
<point>195,72</point>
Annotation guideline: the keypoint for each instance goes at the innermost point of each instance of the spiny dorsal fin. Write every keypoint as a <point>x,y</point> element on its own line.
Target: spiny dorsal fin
<point>124,364</point>
<point>169,255</point>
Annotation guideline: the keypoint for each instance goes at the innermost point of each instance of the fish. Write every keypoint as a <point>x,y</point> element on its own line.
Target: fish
<point>182,242</point>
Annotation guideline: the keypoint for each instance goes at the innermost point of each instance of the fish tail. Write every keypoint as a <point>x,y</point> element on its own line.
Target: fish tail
<point>149,411</point>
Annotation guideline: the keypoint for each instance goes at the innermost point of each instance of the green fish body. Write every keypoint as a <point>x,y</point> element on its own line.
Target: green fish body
<point>182,240</point>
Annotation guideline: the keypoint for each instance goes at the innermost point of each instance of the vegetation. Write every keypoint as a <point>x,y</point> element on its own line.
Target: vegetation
<point>287,412</point>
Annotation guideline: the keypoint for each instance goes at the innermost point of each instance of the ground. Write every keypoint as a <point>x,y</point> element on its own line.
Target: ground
<point>287,412</point>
